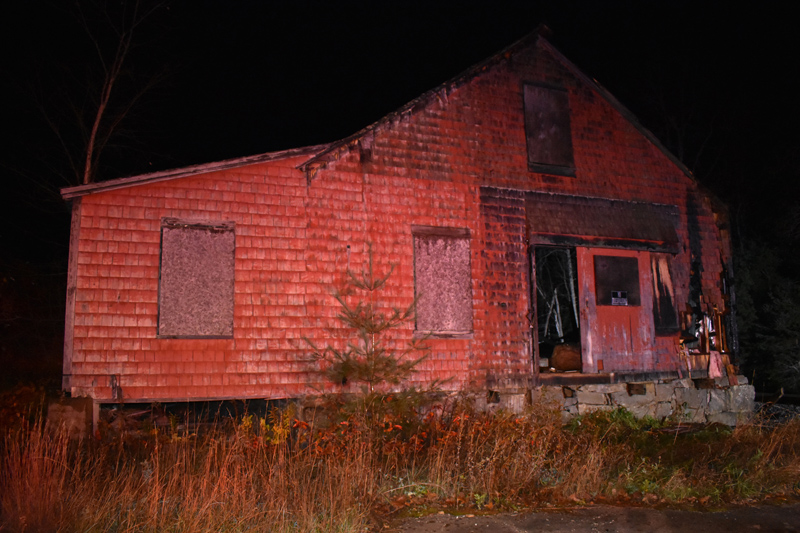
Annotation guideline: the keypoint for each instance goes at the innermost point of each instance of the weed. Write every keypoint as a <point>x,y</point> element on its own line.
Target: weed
<point>277,474</point>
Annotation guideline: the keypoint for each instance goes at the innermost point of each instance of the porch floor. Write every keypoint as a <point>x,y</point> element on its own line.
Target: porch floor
<point>581,378</point>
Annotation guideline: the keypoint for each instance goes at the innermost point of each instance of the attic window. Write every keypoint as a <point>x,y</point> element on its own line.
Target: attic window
<point>547,127</point>
<point>442,281</point>
<point>195,293</point>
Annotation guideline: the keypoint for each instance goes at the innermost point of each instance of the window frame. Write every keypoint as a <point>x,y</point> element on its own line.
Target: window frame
<point>622,273</point>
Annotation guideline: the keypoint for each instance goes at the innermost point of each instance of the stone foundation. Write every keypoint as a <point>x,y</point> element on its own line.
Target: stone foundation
<point>694,401</point>
<point>78,416</point>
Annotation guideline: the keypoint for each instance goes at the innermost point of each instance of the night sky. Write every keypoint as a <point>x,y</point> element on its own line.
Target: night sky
<point>233,78</point>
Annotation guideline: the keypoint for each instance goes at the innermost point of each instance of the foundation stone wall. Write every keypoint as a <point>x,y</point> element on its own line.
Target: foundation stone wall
<point>701,401</point>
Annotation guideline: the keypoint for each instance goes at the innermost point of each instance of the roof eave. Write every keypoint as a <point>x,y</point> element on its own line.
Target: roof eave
<point>68,193</point>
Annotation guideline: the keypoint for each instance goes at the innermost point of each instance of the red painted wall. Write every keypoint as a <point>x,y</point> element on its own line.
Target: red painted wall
<point>295,238</point>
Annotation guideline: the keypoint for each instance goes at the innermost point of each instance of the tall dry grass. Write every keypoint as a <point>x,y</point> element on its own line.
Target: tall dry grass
<point>223,481</point>
<point>282,475</point>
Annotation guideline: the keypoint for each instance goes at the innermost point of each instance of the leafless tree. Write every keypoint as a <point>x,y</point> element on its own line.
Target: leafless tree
<point>105,122</point>
<point>99,91</point>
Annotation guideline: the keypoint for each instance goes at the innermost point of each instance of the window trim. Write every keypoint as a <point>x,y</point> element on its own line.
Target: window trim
<point>440,231</point>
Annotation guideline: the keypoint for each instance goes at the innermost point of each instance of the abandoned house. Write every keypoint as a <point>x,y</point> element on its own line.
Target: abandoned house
<point>552,244</point>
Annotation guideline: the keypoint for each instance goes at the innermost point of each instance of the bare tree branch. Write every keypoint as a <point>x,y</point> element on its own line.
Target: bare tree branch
<point>88,97</point>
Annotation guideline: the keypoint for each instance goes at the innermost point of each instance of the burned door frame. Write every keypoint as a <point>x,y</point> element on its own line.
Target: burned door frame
<point>599,226</point>
<point>641,345</point>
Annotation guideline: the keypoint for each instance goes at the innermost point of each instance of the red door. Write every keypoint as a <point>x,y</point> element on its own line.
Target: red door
<point>616,310</point>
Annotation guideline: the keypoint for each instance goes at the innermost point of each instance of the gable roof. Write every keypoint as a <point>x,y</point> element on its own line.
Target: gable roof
<point>321,155</point>
<point>538,36</point>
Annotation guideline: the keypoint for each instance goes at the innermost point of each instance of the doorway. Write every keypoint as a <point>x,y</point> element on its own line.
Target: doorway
<point>558,335</point>
<point>618,333</point>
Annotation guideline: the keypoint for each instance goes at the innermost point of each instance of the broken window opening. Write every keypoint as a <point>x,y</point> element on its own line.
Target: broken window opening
<point>557,309</point>
<point>703,326</point>
<point>616,280</point>
<point>706,332</point>
<point>665,316</point>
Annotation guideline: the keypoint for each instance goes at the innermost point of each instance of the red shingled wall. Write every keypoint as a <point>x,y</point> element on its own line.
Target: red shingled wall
<point>116,308</point>
<point>295,239</point>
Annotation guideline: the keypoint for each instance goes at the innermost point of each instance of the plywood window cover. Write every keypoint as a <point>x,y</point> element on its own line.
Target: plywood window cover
<point>462,287</point>
<point>548,133</point>
<point>213,301</point>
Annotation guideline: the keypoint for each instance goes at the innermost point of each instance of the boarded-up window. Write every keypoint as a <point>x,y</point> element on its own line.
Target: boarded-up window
<point>547,126</point>
<point>442,280</point>
<point>665,316</point>
<point>196,285</point>
<point>616,280</point>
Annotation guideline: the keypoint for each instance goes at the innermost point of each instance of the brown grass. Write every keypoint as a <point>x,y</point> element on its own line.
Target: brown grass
<point>281,475</point>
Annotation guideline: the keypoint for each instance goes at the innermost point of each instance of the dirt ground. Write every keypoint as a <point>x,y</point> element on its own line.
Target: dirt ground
<point>609,519</point>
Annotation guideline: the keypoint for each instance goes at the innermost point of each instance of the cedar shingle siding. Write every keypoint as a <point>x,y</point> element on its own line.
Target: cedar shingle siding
<point>456,157</point>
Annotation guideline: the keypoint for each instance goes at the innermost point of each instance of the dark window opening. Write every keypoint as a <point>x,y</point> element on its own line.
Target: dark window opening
<point>557,309</point>
<point>442,281</point>
<point>547,127</point>
<point>665,316</point>
<point>196,280</point>
<point>616,280</point>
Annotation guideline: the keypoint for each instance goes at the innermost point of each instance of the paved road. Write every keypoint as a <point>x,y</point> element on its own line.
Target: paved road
<point>608,519</point>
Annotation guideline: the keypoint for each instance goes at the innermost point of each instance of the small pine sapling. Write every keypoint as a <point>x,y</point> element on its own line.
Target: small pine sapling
<point>368,358</point>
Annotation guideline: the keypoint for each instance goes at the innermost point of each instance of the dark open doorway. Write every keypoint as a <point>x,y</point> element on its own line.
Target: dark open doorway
<point>557,309</point>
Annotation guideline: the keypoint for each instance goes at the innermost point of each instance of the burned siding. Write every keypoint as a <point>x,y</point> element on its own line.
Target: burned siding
<point>506,359</point>
<point>665,315</point>
<point>561,219</point>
